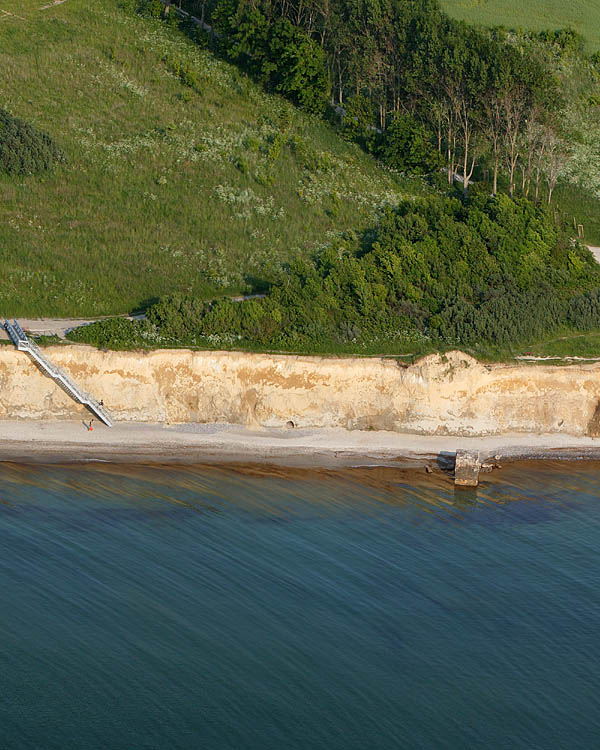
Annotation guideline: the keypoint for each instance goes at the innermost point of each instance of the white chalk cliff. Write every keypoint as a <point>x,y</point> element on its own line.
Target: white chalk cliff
<point>438,395</point>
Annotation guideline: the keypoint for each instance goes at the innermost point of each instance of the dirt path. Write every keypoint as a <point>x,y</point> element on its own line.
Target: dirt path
<point>50,326</point>
<point>51,5</point>
<point>6,15</point>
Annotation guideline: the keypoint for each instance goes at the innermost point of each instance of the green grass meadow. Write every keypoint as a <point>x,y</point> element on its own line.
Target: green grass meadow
<point>201,187</point>
<point>532,15</point>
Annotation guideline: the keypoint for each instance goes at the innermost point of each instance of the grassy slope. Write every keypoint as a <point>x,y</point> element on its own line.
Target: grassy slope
<point>535,15</point>
<point>151,200</point>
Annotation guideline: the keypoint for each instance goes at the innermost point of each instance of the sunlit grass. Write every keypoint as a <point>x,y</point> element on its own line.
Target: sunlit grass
<point>534,15</point>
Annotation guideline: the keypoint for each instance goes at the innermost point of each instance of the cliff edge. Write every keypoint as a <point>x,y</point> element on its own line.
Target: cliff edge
<point>450,394</point>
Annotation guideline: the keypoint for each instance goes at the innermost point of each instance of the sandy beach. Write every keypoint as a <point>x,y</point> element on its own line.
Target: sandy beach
<point>70,441</point>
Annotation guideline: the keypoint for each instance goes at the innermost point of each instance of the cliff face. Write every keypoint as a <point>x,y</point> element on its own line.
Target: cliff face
<point>454,394</point>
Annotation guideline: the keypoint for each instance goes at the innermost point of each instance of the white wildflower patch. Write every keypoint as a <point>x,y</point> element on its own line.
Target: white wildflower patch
<point>120,148</point>
<point>247,203</point>
<point>20,221</point>
<point>315,190</point>
<point>122,81</point>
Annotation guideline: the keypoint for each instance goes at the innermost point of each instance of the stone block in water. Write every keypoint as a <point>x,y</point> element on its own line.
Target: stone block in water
<point>466,468</point>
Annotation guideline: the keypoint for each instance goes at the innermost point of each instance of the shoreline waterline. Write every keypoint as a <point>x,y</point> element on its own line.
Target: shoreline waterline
<point>69,441</point>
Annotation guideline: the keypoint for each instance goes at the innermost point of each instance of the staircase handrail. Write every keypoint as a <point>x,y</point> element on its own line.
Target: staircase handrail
<point>23,343</point>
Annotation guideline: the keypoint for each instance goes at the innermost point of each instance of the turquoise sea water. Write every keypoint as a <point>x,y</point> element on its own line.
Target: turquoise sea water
<point>177,607</point>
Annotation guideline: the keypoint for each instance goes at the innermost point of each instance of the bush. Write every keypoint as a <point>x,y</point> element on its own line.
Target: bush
<point>23,148</point>
<point>177,317</point>
<point>114,333</point>
<point>584,311</point>
<point>358,121</point>
<point>407,145</point>
<point>297,67</point>
<point>568,41</point>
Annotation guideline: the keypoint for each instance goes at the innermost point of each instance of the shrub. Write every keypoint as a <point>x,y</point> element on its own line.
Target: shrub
<point>112,333</point>
<point>584,311</point>
<point>297,67</point>
<point>177,317</point>
<point>407,145</point>
<point>151,8</point>
<point>23,148</point>
<point>568,41</point>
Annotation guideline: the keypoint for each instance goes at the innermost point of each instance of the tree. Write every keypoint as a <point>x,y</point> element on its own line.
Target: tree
<point>555,157</point>
<point>280,54</point>
<point>407,146</point>
<point>464,71</point>
<point>297,67</point>
<point>358,117</point>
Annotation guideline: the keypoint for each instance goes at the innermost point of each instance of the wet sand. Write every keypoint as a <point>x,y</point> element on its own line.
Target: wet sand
<point>70,441</point>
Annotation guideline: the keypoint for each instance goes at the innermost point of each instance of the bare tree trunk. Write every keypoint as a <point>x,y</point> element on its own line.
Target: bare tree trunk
<point>529,169</point>
<point>465,166</point>
<point>453,159</point>
<point>557,157</point>
<point>496,168</point>
<point>514,113</point>
<point>467,176</point>
<point>511,173</point>
<point>493,131</point>
<point>450,158</point>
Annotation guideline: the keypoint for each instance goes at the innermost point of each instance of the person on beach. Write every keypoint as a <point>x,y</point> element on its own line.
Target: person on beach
<point>90,426</point>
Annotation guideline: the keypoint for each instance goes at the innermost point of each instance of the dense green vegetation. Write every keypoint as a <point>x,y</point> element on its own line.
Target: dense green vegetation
<point>516,109</point>
<point>532,15</point>
<point>278,53</point>
<point>187,177</point>
<point>181,174</point>
<point>23,148</point>
<point>437,272</point>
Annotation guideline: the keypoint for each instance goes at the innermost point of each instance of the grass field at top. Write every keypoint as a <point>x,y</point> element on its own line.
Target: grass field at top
<point>167,186</point>
<point>533,15</point>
